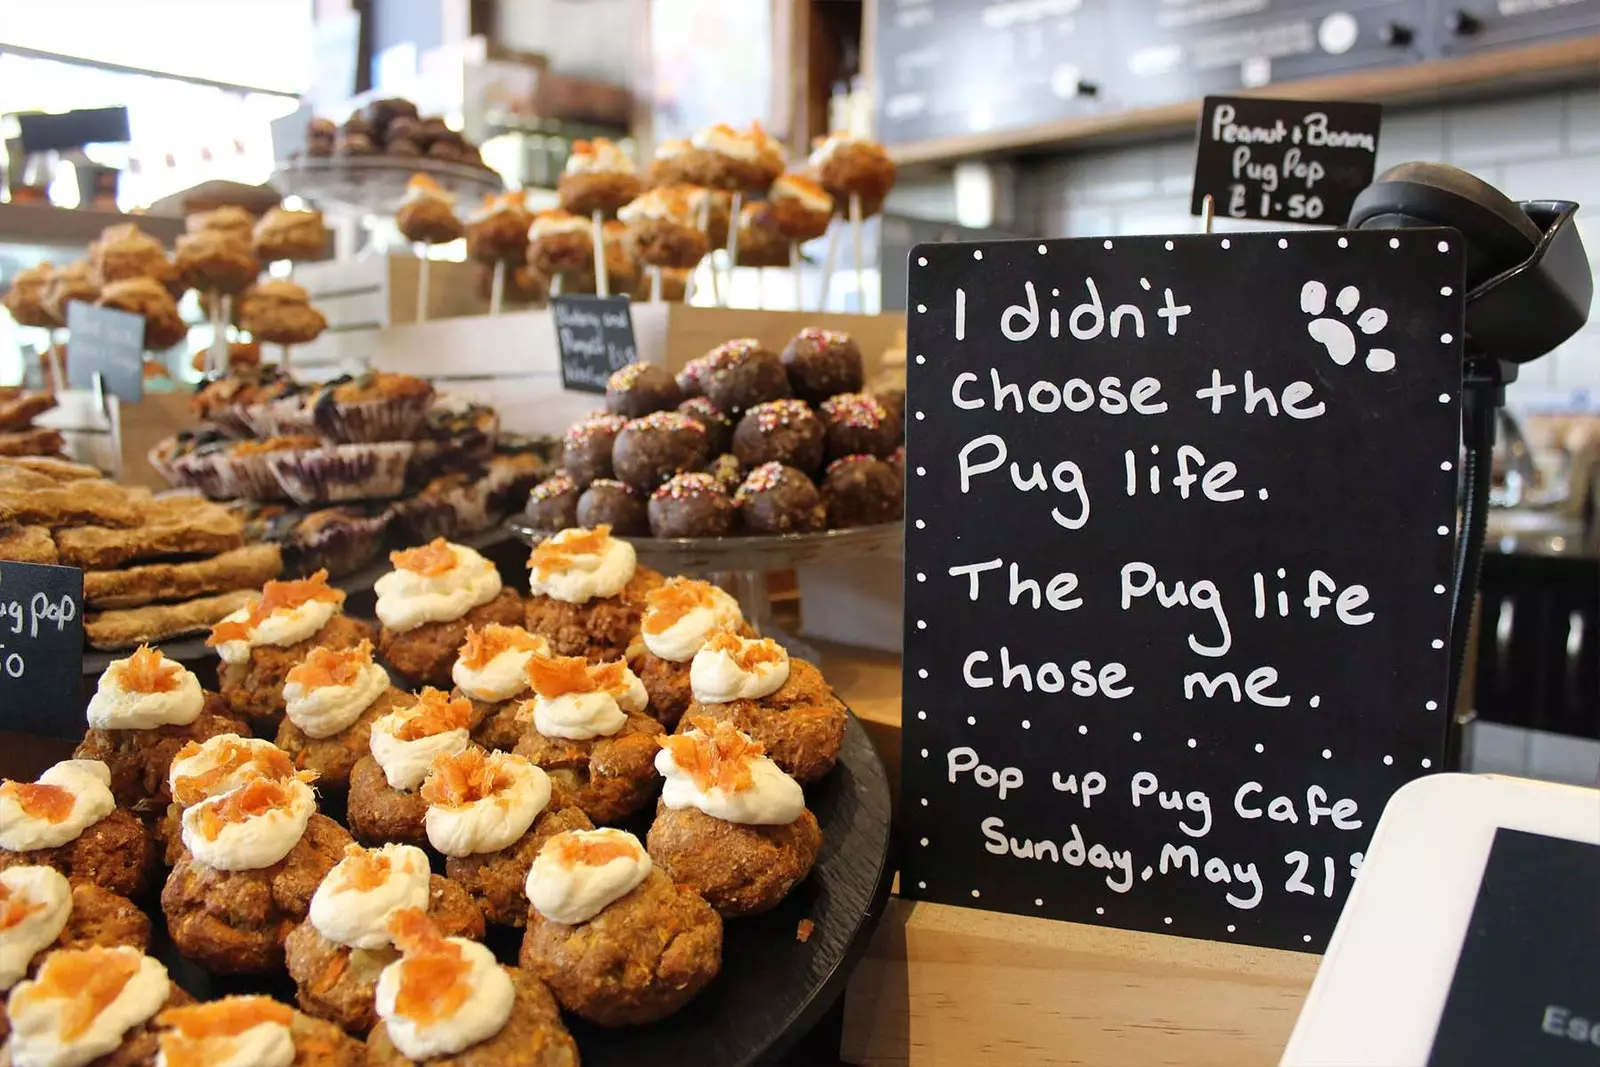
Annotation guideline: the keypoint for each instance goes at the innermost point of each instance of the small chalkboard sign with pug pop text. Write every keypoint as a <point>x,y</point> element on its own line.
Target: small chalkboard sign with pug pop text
<point>595,336</point>
<point>41,649</point>
<point>1179,522</point>
<point>1284,160</point>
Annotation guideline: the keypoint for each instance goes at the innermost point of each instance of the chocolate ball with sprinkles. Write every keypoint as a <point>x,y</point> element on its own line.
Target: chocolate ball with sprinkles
<point>743,374</point>
<point>894,402</point>
<point>862,491</point>
<point>822,363</point>
<point>692,505</point>
<point>728,471</point>
<point>781,431</point>
<point>857,424</point>
<point>897,460</point>
<point>774,499</point>
<point>692,378</point>
<point>719,428</point>
<point>586,448</point>
<point>610,502</point>
<point>640,388</point>
<point>553,504</point>
<point>650,450</point>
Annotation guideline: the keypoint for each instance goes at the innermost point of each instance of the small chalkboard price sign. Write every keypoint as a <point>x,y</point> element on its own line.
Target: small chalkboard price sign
<point>1180,513</point>
<point>107,342</point>
<point>41,649</point>
<point>595,335</point>
<point>1285,160</point>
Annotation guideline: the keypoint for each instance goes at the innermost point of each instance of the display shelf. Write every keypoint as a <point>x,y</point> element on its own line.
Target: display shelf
<point>49,226</point>
<point>378,183</point>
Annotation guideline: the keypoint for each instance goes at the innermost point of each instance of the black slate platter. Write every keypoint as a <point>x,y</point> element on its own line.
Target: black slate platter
<point>773,988</point>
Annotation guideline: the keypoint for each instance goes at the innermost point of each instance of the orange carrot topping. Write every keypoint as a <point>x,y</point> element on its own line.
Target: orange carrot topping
<point>483,645</point>
<point>365,870</point>
<point>553,676</point>
<point>15,907</point>
<point>430,560</point>
<point>437,714</point>
<point>747,654</point>
<point>422,182</point>
<point>148,671</point>
<point>249,801</point>
<point>276,597</point>
<point>83,982</point>
<point>331,666</point>
<point>671,601</point>
<point>717,756</point>
<point>434,975</point>
<point>592,850</point>
<point>202,1032</point>
<point>803,932</point>
<point>230,757</point>
<point>466,778</point>
<point>51,803</point>
<point>552,555</point>
<point>610,677</point>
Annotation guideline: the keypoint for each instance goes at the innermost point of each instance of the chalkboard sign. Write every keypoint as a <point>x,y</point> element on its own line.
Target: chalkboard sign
<point>108,342</point>
<point>41,649</point>
<point>1179,518</point>
<point>1527,984</point>
<point>1284,159</point>
<point>595,335</point>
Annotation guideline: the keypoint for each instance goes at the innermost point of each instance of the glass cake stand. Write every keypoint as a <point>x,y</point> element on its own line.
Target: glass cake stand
<point>377,184</point>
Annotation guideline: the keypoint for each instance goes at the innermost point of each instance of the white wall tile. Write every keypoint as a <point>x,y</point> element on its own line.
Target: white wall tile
<point>1557,758</point>
<point>1491,748</point>
<point>1525,128</point>
<point>1583,118</point>
<point>1126,174</point>
<point>1408,136</point>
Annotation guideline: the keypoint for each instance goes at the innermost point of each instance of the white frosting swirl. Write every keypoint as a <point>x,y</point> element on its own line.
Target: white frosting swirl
<point>253,842</point>
<point>280,629</point>
<point>578,716</point>
<point>773,799</point>
<point>603,157</point>
<point>479,1018</point>
<point>326,710</point>
<point>201,763</point>
<point>573,893</point>
<point>350,915</point>
<point>266,1044</point>
<point>36,1022</point>
<point>728,142</point>
<point>503,677</point>
<point>405,763</point>
<point>830,145</point>
<point>493,822</point>
<point>552,223</point>
<point>658,205</point>
<point>46,896</point>
<point>116,707</point>
<point>680,641</point>
<point>588,575</point>
<point>89,782</point>
<point>716,677</point>
<point>407,599</point>
<point>785,188</point>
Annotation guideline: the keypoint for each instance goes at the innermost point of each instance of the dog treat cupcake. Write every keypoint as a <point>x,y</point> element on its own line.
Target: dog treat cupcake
<point>491,670</point>
<point>846,165</point>
<point>69,821</point>
<point>615,504</point>
<point>713,212</point>
<point>761,243</point>
<point>560,242</point>
<point>428,213</point>
<point>122,253</point>
<point>599,176</point>
<point>251,859</point>
<point>209,769</point>
<point>497,232</point>
<point>774,499</point>
<point>71,282</point>
<point>280,312</point>
<point>216,261</point>
<point>640,388</point>
<point>586,449</point>
<point>553,503</point>
<point>428,602</point>
<point>692,504</point>
<point>679,616</point>
<point>41,912</point>
<point>259,644</point>
<point>447,1001</point>
<point>730,825</point>
<point>862,491</point>
<point>26,297</point>
<point>331,699</point>
<point>374,406</point>
<point>588,731</point>
<point>741,374</point>
<point>336,955</point>
<point>231,220</point>
<point>251,1031</point>
<point>664,228</point>
<point>823,363</point>
<point>151,301</point>
<point>587,593</point>
<point>617,941</point>
<point>801,208</point>
<point>88,1006</point>
<point>285,234</point>
<point>780,431</point>
<point>144,710</point>
<point>783,704</point>
<point>652,449</point>
<point>734,159</point>
<point>858,424</point>
<point>384,803</point>
<point>490,813</point>
<point>719,428</point>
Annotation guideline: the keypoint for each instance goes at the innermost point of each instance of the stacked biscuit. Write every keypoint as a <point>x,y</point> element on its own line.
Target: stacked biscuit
<point>154,567</point>
<point>18,434</point>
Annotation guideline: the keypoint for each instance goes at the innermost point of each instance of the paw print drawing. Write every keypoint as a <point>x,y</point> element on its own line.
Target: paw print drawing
<point>1337,335</point>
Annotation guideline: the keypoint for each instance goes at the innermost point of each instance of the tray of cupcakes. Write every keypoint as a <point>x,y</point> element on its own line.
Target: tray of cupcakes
<point>598,820</point>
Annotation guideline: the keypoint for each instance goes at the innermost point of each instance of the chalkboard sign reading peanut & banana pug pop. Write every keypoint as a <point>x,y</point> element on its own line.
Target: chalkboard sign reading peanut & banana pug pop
<point>1179,523</point>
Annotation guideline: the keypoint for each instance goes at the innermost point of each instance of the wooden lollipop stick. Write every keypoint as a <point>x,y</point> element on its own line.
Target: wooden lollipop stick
<point>828,259</point>
<point>704,222</point>
<point>733,246</point>
<point>497,287</point>
<point>794,269</point>
<point>602,281</point>
<point>422,287</point>
<point>855,241</point>
<point>217,354</point>
<point>557,283</point>
<point>283,360</point>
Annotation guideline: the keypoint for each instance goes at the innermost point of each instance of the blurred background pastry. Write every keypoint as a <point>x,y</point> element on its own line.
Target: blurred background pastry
<point>285,234</point>
<point>599,176</point>
<point>428,213</point>
<point>149,299</point>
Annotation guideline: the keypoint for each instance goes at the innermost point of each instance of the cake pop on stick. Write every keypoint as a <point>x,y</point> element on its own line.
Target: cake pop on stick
<point>802,210</point>
<point>858,173</point>
<point>741,162</point>
<point>662,226</point>
<point>427,216</point>
<point>497,234</point>
<point>280,312</point>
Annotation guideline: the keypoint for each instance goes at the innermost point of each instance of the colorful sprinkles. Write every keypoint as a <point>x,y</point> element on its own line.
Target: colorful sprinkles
<point>860,411</point>
<point>702,410</point>
<point>763,479</point>
<point>843,461</point>
<point>560,485</point>
<point>582,433</point>
<point>822,338</point>
<point>688,486</point>
<point>777,413</point>
<point>612,483</point>
<point>666,421</point>
<point>626,378</point>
